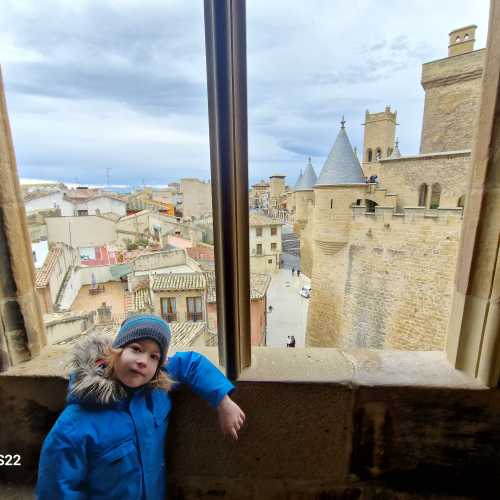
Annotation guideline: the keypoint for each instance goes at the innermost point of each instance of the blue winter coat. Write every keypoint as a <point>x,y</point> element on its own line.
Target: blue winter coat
<point>115,448</point>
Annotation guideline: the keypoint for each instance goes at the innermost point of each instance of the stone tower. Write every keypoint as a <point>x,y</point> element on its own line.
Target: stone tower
<point>304,194</point>
<point>304,201</point>
<point>452,91</point>
<point>339,185</point>
<point>276,189</point>
<point>380,132</point>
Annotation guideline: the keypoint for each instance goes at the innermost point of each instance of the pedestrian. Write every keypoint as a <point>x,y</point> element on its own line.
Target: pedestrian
<point>293,271</point>
<point>292,341</point>
<point>110,439</point>
<point>288,341</point>
<point>298,273</point>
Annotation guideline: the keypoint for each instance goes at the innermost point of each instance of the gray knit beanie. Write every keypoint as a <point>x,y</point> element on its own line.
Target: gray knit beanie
<point>144,326</point>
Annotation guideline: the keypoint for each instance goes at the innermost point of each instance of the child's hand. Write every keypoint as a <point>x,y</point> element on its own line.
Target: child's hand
<point>231,417</point>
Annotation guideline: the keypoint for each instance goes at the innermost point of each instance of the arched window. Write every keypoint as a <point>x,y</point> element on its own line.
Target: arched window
<point>457,39</point>
<point>435,195</point>
<point>331,203</point>
<point>369,155</point>
<point>466,36</point>
<point>422,195</point>
<point>378,154</point>
<point>389,152</point>
<point>358,202</point>
<point>461,201</point>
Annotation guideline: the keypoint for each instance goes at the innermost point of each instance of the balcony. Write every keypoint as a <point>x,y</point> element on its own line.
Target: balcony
<point>194,316</point>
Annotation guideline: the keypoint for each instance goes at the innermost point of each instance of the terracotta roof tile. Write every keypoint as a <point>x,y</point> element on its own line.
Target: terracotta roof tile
<point>179,281</point>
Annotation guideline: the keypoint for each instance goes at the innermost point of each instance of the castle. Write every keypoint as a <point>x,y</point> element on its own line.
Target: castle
<point>379,239</point>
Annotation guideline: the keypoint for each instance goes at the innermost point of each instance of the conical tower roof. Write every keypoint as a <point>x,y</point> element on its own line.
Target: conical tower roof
<point>308,179</point>
<point>342,166</point>
<point>298,181</point>
<point>395,152</point>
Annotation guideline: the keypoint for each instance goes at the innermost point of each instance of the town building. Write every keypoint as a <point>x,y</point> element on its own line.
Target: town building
<point>196,198</point>
<point>265,243</point>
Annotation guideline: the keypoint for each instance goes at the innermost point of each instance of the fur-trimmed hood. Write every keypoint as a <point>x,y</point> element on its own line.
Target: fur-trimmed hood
<point>89,381</point>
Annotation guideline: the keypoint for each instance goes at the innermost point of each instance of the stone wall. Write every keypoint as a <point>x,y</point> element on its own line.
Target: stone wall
<point>404,176</point>
<point>452,92</point>
<point>322,435</point>
<point>390,285</point>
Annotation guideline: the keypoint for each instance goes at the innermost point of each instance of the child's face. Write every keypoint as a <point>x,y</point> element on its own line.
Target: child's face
<point>137,363</point>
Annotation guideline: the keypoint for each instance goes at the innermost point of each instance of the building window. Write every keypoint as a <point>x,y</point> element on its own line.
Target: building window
<point>273,246</point>
<point>378,154</point>
<point>422,195</point>
<point>369,155</point>
<point>435,195</point>
<point>168,309</point>
<point>270,261</point>
<point>331,203</point>
<point>82,212</point>
<point>258,231</point>
<point>274,231</point>
<point>259,249</point>
<point>194,309</point>
<point>461,201</point>
<point>370,206</point>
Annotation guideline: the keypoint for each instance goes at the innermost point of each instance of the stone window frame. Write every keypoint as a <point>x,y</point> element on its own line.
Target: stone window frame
<point>473,339</point>
<point>258,231</point>
<point>369,155</point>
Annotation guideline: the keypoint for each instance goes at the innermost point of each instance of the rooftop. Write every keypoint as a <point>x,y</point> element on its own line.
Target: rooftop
<point>179,281</point>
<point>259,283</point>
<point>308,178</point>
<point>342,165</point>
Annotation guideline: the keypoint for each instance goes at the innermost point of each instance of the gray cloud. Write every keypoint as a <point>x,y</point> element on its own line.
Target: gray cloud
<point>80,74</point>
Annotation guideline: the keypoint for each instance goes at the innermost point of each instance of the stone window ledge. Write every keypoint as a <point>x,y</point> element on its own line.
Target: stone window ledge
<point>357,367</point>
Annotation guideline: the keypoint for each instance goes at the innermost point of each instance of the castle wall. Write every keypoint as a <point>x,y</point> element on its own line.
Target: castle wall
<point>390,286</point>
<point>452,93</point>
<point>332,214</point>
<point>404,176</point>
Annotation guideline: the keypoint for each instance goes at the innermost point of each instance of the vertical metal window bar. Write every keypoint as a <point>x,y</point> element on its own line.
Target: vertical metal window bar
<point>225,38</point>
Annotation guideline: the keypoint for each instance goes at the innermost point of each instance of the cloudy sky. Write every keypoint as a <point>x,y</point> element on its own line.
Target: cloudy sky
<point>92,85</point>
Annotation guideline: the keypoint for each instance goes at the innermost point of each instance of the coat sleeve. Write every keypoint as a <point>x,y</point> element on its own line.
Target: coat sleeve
<point>200,375</point>
<point>62,469</point>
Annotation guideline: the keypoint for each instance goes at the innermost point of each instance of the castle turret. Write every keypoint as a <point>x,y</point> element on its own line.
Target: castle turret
<point>304,194</point>
<point>395,152</point>
<point>380,132</point>
<point>340,184</point>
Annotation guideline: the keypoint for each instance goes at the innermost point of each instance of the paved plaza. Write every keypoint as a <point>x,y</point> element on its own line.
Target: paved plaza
<point>289,309</point>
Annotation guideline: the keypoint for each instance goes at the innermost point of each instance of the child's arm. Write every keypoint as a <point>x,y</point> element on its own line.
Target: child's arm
<point>62,469</point>
<point>206,380</point>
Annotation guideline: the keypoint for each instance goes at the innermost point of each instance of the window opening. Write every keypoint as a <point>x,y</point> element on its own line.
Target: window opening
<point>435,195</point>
<point>168,309</point>
<point>422,195</point>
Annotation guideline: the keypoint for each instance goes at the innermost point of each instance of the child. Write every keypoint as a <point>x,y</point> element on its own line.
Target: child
<point>109,441</point>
